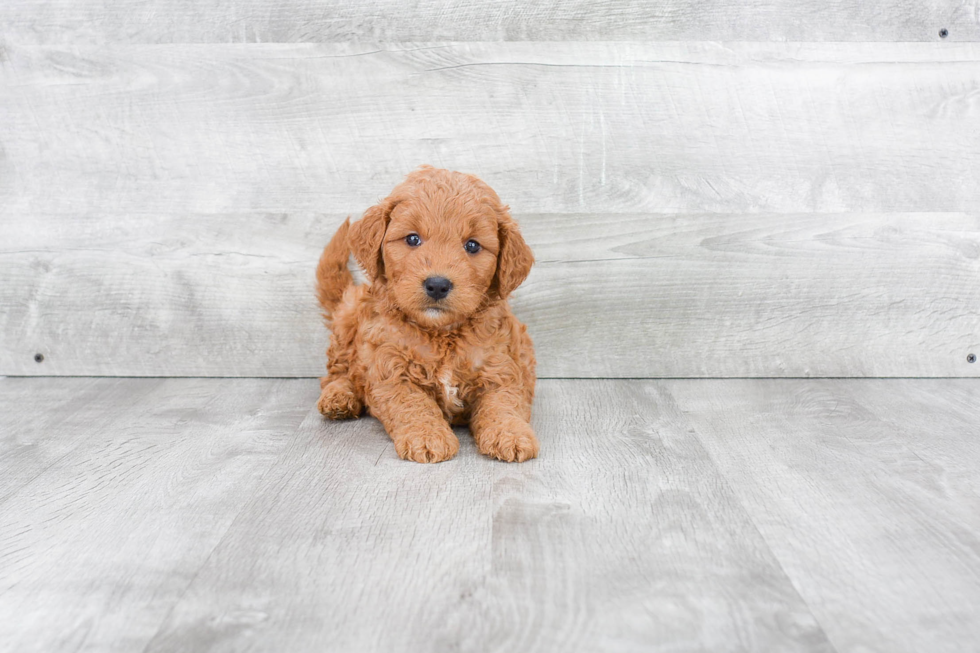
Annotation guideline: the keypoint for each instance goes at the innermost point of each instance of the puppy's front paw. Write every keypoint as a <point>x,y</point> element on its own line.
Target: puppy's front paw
<point>338,400</point>
<point>512,441</point>
<point>428,446</point>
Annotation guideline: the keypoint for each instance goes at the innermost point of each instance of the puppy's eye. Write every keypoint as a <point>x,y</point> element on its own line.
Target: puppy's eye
<point>472,246</point>
<point>413,240</point>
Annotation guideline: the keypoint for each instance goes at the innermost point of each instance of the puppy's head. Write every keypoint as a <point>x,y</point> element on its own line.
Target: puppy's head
<point>443,244</point>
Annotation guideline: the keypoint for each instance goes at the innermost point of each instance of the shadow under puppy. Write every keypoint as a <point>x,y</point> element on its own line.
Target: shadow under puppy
<point>430,340</point>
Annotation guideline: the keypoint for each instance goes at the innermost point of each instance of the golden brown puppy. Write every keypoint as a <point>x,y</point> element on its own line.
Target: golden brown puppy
<point>431,341</point>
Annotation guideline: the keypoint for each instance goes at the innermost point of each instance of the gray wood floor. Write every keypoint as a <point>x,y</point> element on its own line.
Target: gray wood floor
<point>726,515</point>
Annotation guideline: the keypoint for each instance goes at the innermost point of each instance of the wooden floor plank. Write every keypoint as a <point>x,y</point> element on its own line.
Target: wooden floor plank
<point>96,550</point>
<point>936,419</point>
<point>883,543</point>
<point>344,547</point>
<point>624,537</point>
<point>695,515</point>
<point>621,537</point>
<point>44,419</point>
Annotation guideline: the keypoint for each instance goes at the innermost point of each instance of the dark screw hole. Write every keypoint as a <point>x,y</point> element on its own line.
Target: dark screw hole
<point>943,33</point>
<point>38,358</point>
<point>971,358</point>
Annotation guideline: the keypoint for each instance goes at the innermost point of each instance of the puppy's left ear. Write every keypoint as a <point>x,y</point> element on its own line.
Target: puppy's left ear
<point>514,259</point>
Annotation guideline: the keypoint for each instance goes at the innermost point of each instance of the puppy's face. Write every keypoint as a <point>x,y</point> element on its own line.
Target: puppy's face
<point>443,244</point>
<point>440,258</point>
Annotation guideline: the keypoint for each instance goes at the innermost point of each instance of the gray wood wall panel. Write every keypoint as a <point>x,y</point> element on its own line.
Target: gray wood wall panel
<point>176,21</point>
<point>554,127</point>
<point>612,295</point>
<point>698,209</point>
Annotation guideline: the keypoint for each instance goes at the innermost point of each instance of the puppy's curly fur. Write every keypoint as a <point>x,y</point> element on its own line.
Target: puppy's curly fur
<point>419,362</point>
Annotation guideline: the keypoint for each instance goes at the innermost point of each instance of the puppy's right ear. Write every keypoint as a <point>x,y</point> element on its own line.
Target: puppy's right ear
<point>366,237</point>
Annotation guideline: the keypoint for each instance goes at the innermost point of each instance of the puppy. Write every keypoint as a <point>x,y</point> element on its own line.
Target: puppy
<point>430,341</point>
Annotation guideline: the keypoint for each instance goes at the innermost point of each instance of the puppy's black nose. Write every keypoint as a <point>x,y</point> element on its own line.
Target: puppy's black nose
<point>437,287</point>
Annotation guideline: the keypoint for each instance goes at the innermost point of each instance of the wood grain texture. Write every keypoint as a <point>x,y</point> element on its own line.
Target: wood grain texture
<point>96,549</point>
<point>756,295</point>
<point>173,295</point>
<point>195,184</point>
<point>347,547</point>
<point>176,21</point>
<point>882,542</point>
<point>554,127</point>
<point>936,420</point>
<point>621,537</point>
<point>612,295</point>
<point>685,515</point>
<point>32,410</point>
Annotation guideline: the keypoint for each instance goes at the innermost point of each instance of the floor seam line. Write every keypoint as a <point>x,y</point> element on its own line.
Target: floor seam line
<point>696,432</point>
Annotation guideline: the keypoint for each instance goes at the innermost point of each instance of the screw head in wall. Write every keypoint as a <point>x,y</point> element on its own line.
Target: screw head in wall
<point>38,358</point>
<point>943,33</point>
<point>971,358</point>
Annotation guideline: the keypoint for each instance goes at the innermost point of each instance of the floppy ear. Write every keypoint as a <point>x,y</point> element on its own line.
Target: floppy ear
<point>366,236</point>
<point>514,259</point>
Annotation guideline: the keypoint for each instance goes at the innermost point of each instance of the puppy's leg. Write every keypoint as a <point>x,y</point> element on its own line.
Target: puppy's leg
<point>414,422</point>
<point>500,426</point>
<point>338,399</point>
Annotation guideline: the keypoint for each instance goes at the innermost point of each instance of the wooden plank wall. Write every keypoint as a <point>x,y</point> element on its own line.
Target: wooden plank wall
<point>711,189</point>
<point>318,21</point>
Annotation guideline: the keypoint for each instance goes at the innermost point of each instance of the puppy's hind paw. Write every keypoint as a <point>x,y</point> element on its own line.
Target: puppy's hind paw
<point>339,401</point>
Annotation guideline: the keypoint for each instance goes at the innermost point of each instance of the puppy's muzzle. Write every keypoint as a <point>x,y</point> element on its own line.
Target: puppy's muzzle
<point>437,287</point>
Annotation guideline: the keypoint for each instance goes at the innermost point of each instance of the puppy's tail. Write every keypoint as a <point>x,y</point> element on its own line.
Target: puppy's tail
<point>332,275</point>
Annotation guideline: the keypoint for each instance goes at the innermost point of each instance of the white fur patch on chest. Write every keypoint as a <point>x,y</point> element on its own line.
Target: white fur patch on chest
<point>450,392</point>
